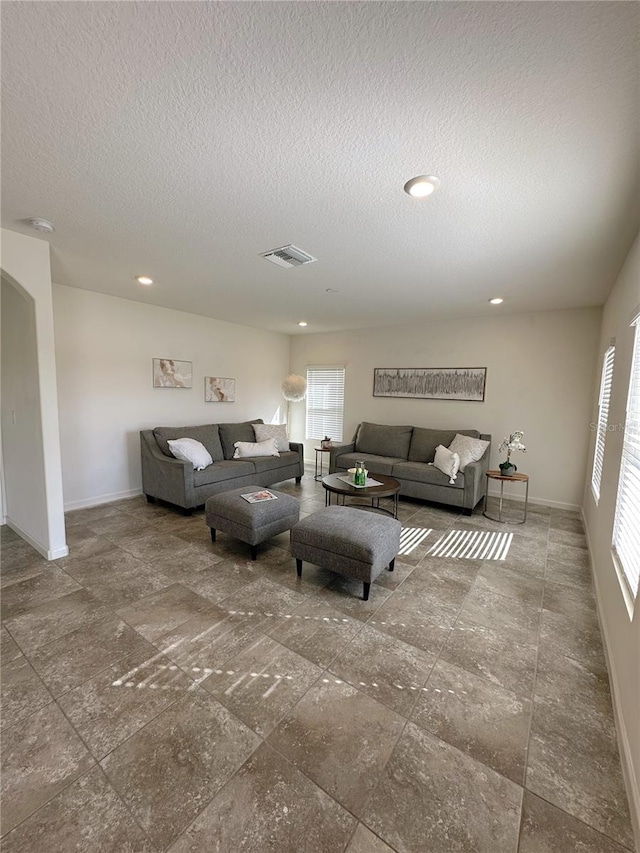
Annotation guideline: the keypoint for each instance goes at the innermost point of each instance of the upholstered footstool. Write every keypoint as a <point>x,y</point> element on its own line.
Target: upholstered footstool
<point>251,523</point>
<point>353,542</point>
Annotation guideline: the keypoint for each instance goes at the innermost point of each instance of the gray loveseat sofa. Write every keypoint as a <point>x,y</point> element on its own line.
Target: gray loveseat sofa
<point>169,479</point>
<point>404,452</point>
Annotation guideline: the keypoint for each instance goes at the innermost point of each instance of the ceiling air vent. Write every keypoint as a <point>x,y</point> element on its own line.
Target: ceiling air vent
<point>288,256</point>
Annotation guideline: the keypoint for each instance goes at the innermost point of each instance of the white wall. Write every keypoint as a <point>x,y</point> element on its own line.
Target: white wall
<point>621,630</point>
<point>25,262</point>
<point>539,379</point>
<point>104,349</point>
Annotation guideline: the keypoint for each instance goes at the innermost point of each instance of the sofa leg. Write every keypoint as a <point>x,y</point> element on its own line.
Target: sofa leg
<point>365,594</point>
<point>150,499</point>
<point>298,479</point>
<point>213,535</point>
<point>254,552</point>
<point>187,511</point>
<point>299,568</point>
<point>392,564</point>
<point>468,512</point>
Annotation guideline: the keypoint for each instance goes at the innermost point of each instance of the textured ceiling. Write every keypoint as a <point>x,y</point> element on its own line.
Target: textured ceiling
<point>182,139</point>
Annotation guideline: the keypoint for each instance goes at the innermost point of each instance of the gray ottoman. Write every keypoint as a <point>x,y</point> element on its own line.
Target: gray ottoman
<point>353,542</point>
<point>251,523</point>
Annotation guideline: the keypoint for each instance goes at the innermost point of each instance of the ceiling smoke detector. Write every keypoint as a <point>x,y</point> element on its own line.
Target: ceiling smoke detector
<point>288,256</point>
<point>41,224</point>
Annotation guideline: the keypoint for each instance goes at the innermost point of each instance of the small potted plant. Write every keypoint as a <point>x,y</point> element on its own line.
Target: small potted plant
<point>325,444</point>
<point>510,444</point>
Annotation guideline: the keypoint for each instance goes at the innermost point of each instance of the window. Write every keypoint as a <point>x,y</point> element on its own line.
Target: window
<point>603,420</point>
<point>325,402</point>
<point>626,527</point>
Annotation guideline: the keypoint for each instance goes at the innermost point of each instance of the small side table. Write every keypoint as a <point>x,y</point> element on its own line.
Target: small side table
<point>514,478</point>
<point>320,450</point>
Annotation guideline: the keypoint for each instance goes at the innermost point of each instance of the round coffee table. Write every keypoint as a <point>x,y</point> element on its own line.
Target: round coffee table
<point>389,487</point>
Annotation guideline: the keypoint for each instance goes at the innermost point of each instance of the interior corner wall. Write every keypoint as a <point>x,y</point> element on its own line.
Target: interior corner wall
<point>621,631</point>
<point>540,370</point>
<point>34,505</point>
<point>104,351</point>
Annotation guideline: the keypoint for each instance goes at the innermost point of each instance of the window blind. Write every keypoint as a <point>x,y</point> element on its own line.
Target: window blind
<point>325,402</point>
<point>603,420</point>
<point>626,527</point>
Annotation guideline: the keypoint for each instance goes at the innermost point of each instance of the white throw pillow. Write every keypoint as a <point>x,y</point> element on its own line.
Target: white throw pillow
<point>247,449</point>
<point>468,449</point>
<point>190,450</point>
<point>275,431</point>
<point>447,462</point>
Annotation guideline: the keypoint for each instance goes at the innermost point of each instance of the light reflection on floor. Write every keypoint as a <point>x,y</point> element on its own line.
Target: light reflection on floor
<point>473,545</point>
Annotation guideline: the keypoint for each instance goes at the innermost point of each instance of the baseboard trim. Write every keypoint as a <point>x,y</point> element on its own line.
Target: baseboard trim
<point>626,760</point>
<point>519,497</point>
<point>48,553</point>
<point>85,503</point>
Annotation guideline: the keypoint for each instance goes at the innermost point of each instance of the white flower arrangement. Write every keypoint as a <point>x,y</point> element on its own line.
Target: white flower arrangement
<point>512,443</point>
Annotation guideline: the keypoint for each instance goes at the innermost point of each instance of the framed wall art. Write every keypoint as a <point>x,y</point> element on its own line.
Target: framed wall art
<point>219,389</point>
<point>170,373</point>
<point>431,383</point>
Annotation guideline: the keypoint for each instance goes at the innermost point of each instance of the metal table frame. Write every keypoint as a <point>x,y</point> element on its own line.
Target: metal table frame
<point>518,478</point>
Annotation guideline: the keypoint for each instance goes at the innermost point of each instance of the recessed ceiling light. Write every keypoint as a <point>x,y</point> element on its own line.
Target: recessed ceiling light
<point>302,323</point>
<point>330,290</point>
<point>497,300</point>
<point>422,186</point>
<point>144,279</point>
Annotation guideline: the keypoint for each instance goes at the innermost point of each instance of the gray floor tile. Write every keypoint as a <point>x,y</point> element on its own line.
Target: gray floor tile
<point>573,762</point>
<point>74,658</point>
<point>40,756</point>
<point>364,841</point>
<point>502,580</point>
<point>495,655</point>
<point>502,613</point>
<point>384,668</point>
<point>170,769</point>
<point>55,618</point>
<point>262,683</point>
<point>111,706</point>
<point>9,649</point>
<point>547,829</point>
<point>340,738</point>
<point>269,807</point>
<point>160,612</point>
<point>487,722</point>
<point>421,624</point>
<point>434,797</point>
<point>316,631</point>
<point>87,816</point>
<point>24,595</point>
<point>22,691</point>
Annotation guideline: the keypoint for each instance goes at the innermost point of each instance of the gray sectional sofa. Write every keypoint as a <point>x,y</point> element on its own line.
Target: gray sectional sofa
<point>404,452</point>
<point>169,479</point>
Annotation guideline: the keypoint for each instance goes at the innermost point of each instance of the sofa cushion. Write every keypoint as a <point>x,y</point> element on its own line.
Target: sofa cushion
<point>422,472</point>
<point>373,464</point>
<point>230,433</point>
<point>424,441</point>
<point>228,469</point>
<point>271,463</point>
<point>383,440</point>
<point>206,434</point>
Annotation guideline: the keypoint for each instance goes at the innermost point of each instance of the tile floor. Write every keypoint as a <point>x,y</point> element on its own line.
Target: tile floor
<point>161,692</point>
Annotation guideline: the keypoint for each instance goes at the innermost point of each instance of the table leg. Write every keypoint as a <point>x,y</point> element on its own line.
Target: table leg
<point>526,501</point>
<point>395,505</point>
<point>501,494</point>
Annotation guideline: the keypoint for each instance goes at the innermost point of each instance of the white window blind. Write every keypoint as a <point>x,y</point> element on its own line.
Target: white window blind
<point>325,402</point>
<point>626,527</point>
<point>603,419</point>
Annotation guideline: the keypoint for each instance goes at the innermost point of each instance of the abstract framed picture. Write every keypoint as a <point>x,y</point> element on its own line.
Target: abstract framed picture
<point>219,389</point>
<point>431,383</point>
<point>170,373</point>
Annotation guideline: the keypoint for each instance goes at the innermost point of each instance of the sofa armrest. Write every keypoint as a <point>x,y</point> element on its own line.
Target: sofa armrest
<point>475,480</point>
<point>337,450</point>
<point>168,479</point>
<point>299,449</point>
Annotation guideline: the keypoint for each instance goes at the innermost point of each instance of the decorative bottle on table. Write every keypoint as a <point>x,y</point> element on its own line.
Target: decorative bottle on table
<point>360,475</point>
